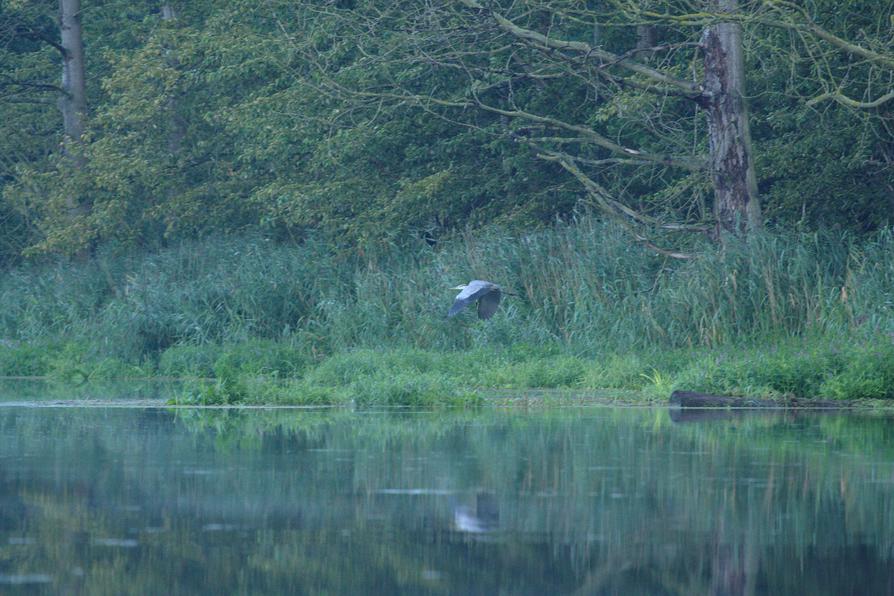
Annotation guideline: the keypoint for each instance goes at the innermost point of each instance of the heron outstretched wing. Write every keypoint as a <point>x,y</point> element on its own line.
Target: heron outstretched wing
<point>475,290</point>
<point>488,303</point>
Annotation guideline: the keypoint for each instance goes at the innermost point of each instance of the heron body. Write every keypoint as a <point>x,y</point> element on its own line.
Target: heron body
<point>487,295</point>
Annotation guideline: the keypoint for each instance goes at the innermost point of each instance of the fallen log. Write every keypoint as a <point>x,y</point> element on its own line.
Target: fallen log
<point>694,399</point>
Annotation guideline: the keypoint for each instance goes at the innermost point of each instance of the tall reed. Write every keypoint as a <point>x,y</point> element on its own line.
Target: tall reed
<point>582,286</point>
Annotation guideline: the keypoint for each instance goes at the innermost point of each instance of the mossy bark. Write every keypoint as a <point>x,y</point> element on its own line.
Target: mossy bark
<point>736,203</point>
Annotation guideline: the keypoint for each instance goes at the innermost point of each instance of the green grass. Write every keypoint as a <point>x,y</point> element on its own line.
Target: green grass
<point>24,360</point>
<point>778,314</point>
<point>253,357</point>
<point>405,377</point>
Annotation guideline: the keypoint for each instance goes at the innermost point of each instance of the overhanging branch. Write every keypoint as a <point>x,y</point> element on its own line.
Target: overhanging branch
<point>594,137</point>
<point>852,103</point>
<point>689,89</point>
<point>617,210</point>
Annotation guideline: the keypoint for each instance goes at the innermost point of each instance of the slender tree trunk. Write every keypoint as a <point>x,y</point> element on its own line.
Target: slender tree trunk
<point>736,203</point>
<point>646,36</point>
<point>177,126</point>
<point>167,12</point>
<point>73,100</point>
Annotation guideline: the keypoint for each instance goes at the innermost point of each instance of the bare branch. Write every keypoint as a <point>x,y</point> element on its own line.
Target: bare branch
<point>616,210</point>
<point>687,163</point>
<point>852,103</point>
<point>810,25</point>
<point>691,89</point>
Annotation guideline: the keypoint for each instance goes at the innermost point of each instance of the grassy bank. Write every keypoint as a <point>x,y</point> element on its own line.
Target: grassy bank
<point>780,314</point>
<point>272,373</point>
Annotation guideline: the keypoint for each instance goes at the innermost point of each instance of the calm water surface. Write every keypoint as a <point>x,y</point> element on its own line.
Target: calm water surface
<point>577,501</point>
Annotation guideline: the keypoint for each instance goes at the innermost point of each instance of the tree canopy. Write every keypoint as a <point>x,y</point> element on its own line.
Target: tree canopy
<point>370,121</point>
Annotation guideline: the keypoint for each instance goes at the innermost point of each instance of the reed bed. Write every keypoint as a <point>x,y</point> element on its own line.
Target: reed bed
<point>582,291</point>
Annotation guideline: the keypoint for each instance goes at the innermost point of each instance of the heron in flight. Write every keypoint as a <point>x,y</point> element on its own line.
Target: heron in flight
<point>486,293</point>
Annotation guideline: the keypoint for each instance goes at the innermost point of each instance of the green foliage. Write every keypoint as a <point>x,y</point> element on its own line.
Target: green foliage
<point>379,388</point>
<point>24,360</point>
<point>75,362</point>
<point>637,370</point>
<point>189,360</point>
<point>214,123</point>
<point>343,369</point>
<point>816,368</point>
<point>535,372</point>
<point>867,374</point>
<point>402,377</point>
<point>225,391</point>
<point>71,362</point>
<point>410,389</point>
<point>302,393</point>
<point>259,358</point>
<point>110,369</point>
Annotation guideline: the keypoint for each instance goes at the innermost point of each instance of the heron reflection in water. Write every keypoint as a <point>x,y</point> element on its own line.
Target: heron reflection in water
<point>481,518</point>
<point>486,293</point>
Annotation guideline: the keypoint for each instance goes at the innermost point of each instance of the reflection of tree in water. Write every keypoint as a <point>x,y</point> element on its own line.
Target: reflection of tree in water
<point>563,502</point>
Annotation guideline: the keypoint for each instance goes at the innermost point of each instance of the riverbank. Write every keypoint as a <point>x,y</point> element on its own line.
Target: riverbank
<point>267,372</point>
<point>421,378</point>
<point>258,321</point>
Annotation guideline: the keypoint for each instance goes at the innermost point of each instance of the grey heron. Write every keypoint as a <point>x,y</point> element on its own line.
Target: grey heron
<point>487,294</point>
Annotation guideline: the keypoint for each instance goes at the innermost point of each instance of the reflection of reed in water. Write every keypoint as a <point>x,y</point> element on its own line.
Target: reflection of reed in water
<point>590,502</point>
<point>484,517</point>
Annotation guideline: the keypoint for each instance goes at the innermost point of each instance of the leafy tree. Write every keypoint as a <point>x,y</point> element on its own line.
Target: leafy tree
<point>375,121</point>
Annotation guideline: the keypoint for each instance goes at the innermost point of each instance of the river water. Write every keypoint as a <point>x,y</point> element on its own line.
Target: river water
<point>590,500</point>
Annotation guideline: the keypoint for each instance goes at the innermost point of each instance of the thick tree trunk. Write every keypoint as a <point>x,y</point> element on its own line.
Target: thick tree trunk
<point>736,203</point>
<point>73,101</point>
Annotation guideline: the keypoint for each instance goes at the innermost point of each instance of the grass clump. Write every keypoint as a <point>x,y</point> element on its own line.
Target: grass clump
<point>78,363</point>
<point>405,389</point>
<point>821,369</point>
<point>536,372</point>
<point>652,372</point>
<point>774,372</point>
<point>411,389</point>
<point>868,373</point>
<point>24,360</point>
<point>402,377</point>
<point>189,360</point>
<point>251,391</point>
<point>257,357</point>
<point>363,378</point>
<point>260,357</point>
<point>214,393</point>
<point>71,362</point>
<point>344,369</point>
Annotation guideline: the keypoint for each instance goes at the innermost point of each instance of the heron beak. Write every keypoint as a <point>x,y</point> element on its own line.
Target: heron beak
<point>458,288</point>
